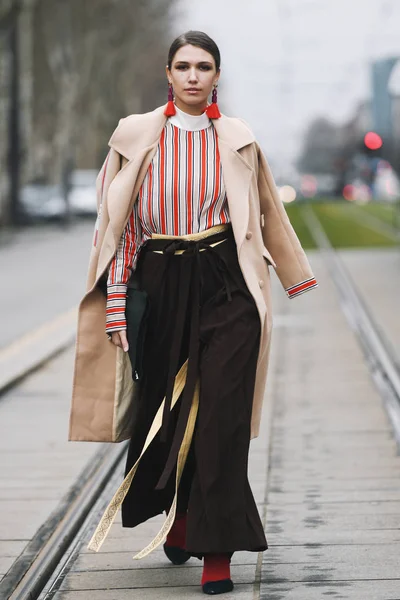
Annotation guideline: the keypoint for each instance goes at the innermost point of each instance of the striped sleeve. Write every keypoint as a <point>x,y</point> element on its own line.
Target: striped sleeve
<point>300,288</point>
<point>122,265</point>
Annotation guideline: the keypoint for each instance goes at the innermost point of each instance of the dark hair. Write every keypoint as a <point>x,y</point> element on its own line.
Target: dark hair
<point>195,38</point>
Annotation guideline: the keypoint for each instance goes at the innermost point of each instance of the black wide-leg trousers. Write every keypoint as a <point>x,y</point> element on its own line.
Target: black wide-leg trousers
<point>221,331</point>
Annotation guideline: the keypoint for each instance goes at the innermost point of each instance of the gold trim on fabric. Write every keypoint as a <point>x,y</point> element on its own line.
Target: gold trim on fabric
<point>193,236</point>
<point>110,512</point>
<point>182,456</point>
<point>201,249</point>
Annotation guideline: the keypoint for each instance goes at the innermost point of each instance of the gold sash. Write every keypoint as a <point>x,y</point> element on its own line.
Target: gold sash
<point>192,236</point>
<point>110,513</point>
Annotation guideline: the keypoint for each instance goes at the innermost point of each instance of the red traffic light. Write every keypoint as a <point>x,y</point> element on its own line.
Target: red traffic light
<point>372,140</point>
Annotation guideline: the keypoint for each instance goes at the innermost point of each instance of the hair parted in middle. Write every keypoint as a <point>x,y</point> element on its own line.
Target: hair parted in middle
<point>195,38</point>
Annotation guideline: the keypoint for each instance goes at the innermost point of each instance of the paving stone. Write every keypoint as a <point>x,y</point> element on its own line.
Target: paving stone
<point>313,570</point>
<point>351,556</point>
<point>241,592</point>
<point>278,484</point>
<point>12,547</point>
<point>108,560</point>
<point>331,496</point>
<point>5,564</point>
<point>24,520</point>
<point>327,510</point>
<point>154,577</point>
<point>319,536</point>
<point>345,590</point>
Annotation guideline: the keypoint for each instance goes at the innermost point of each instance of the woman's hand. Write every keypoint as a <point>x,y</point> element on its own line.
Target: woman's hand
<point>119,339</point>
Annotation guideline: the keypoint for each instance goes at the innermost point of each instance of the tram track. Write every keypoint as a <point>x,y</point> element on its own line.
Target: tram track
<point>381,360</point>
<point>41,558</point>
<point>49,547</point>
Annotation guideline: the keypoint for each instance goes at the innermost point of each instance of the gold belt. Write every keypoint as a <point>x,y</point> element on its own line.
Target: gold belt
<point>192,236</point>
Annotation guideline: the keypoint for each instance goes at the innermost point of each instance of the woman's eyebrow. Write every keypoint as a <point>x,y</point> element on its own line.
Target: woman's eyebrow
<point>185,62</point>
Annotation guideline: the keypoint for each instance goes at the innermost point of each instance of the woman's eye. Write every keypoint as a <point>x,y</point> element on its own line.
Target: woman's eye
<point>202,67</point>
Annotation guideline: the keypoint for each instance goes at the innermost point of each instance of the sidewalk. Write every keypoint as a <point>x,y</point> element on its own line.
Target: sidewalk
<point>328,491</point>
<point>37,464</point>
<point>333,509</point>
<point>43,270</point>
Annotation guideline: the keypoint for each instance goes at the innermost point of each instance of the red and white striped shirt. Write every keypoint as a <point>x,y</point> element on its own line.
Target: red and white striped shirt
<point>183,192</point>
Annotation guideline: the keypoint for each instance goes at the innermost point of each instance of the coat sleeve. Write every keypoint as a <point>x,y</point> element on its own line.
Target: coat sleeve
<point>279,237</point>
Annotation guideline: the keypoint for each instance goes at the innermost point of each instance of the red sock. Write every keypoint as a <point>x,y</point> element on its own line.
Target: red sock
<point>216,567</point>
<point>177,534</point>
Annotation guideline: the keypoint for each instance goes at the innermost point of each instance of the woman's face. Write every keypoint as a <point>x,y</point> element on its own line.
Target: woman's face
<point>193,74</point>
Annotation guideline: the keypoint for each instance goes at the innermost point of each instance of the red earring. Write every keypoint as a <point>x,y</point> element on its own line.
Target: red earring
<point>212,110</point>
<point>170,108</point>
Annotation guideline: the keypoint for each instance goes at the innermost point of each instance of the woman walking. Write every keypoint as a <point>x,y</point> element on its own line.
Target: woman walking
<point>189,215</point>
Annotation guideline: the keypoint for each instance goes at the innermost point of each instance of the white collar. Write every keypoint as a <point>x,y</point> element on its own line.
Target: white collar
<point>189,122</point>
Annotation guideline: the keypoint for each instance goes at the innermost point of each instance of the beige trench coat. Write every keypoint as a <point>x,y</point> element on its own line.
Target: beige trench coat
<point>264,239</point>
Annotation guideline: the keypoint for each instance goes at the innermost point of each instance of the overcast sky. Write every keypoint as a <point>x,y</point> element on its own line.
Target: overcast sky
<point>285,62</point>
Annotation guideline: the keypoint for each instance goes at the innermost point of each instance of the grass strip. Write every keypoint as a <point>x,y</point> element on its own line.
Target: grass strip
<point>344,231</point>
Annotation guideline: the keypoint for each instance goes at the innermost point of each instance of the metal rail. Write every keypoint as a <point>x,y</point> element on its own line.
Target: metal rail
<point>378,353</point>
<point>66,530</point>
<point>40,560</point>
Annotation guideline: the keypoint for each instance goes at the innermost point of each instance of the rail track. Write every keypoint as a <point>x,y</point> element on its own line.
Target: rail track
<point>382,363</point>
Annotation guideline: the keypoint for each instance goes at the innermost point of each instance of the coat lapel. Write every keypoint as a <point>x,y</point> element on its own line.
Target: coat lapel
<point>136,138</point>
<point>237,176</point>
<point>121,196</point>
<point>125,187</point>
<point>237,173</point>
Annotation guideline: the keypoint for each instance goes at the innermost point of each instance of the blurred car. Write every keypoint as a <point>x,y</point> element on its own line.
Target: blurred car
<point>82,195</point>
<point>316,185</point>
<point>357,190</point>
<point>386,183</point>
<point>42,201</point>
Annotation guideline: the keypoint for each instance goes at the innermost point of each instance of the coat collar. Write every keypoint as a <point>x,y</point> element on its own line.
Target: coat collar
<point>136,132</point>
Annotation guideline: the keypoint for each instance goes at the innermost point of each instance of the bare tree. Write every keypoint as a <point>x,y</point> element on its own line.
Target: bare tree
<point>94,63</point>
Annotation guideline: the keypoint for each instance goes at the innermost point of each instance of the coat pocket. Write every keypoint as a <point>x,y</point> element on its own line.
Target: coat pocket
<point>268,257</point>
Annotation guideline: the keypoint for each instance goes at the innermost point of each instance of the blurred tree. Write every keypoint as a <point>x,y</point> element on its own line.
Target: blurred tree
<point>10,148</point>
<point>83,66</point>
<point>319,151</point>
<point>94,63</point>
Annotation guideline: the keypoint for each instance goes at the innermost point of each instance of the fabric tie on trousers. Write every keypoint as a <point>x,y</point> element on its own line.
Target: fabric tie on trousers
<point>190,284</point>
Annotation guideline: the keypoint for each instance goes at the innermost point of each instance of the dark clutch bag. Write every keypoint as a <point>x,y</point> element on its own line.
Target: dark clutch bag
<point>136,312</point>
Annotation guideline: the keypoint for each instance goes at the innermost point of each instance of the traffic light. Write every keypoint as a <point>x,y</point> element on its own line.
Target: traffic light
<point>373,141</point>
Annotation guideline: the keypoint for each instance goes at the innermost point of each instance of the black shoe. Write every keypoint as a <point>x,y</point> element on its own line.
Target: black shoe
<point>218,587</point>
<point>178,556</point>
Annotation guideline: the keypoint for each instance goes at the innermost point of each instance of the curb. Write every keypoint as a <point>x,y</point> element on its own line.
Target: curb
<point>32,350</point>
